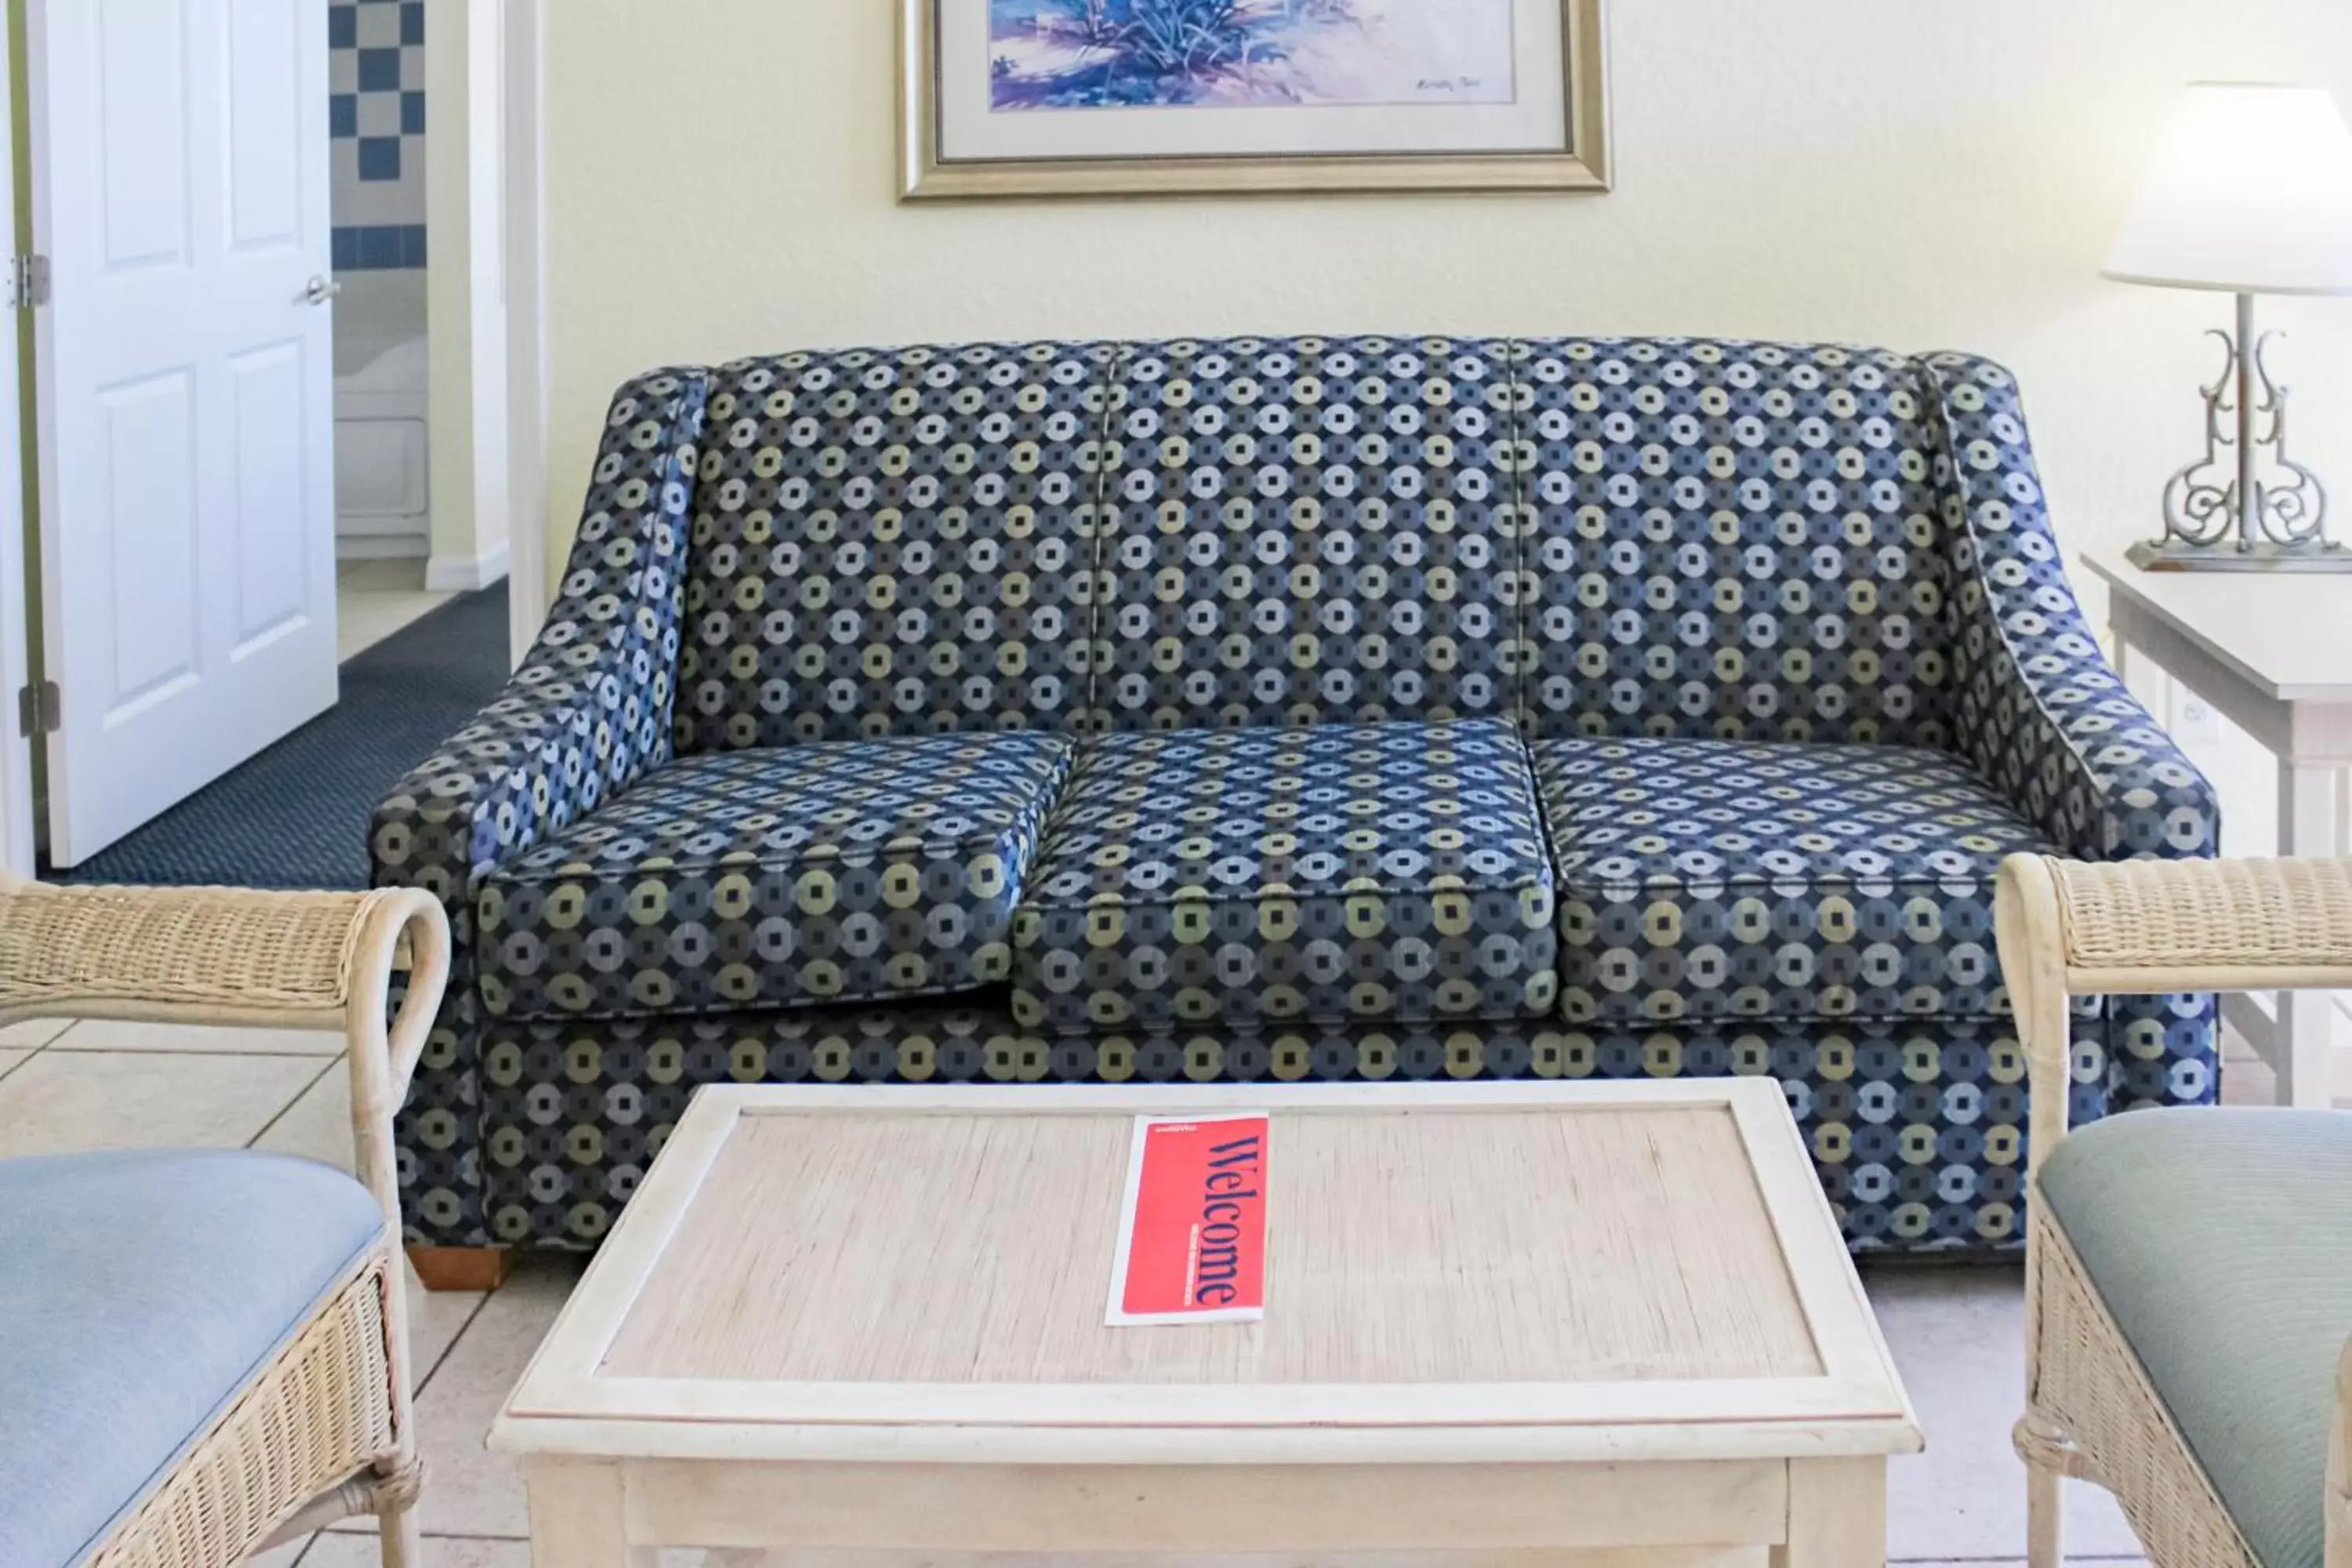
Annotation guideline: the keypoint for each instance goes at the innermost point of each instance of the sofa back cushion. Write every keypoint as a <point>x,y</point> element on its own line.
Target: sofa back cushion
<point>1639,537</point>
<point>1310,530</point>
<point>1731,539</point>
<point>891,542</point>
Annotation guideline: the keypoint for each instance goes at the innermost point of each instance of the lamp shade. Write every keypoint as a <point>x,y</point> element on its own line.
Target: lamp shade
<point>2250,190</point>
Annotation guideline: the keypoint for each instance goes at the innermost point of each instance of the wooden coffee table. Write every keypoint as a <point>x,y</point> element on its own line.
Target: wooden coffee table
<point>1500,1317</point>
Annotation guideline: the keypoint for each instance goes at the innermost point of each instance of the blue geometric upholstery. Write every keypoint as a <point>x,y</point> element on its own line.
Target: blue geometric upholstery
<point>1388,873</point>
<point>574,1112</point>
<point>812,874</point>
<point>887,543</point>
<point>1916,1125</point>
<point>2038,710</point>
<point>1627,543</point>
<point>139,1293</point>
<point>589,710</point>
<point>2047,721</point>
<point>1735,541</point>
<point>1310,531</point>
<point>1709,880</point>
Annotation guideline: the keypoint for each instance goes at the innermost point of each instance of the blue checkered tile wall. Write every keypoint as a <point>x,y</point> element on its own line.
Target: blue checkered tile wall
<point>377,112</point>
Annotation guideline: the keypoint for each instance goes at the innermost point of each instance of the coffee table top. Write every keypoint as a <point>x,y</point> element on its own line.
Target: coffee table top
<point>1455,1272</point>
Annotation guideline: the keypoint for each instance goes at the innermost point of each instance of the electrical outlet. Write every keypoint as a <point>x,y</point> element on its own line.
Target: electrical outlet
<point>2194,722</point>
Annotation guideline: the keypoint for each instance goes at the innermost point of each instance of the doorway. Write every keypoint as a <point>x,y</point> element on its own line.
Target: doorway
<point>379,108</point>
<point>392,122</point>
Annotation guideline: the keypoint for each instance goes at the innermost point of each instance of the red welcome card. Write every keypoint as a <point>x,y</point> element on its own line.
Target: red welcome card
<point>1192,1238</point>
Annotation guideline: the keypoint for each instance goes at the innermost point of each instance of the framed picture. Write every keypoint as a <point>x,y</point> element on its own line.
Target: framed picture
<point>1036,98</point>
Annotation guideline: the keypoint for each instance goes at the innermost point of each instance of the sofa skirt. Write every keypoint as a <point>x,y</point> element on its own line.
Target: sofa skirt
<point>1917,1127</point>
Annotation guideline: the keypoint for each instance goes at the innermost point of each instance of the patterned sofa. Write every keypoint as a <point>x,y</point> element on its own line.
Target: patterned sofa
<point>1288,709</point>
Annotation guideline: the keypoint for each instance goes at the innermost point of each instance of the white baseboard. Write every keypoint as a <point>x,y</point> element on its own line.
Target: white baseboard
<point>382,547</point>
<point>464,574</point>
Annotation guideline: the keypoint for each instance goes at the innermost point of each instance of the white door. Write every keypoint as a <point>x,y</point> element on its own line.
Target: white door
<point>185,395</point>
<point>17,838</point>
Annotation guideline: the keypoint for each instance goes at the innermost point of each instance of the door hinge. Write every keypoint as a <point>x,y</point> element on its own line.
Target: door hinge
<point>28,282</point>
<point>40,708</point>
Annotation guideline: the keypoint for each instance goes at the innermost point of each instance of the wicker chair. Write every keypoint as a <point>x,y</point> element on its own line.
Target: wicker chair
<point>321,1429</point>
<point>2188,1273</point>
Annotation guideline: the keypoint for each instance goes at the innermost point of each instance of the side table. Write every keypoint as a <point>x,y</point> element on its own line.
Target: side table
<point>2274,655</point>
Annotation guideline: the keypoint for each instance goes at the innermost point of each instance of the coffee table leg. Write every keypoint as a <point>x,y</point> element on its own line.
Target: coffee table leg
<point>1837,1514</point>
<point>579,1517</point>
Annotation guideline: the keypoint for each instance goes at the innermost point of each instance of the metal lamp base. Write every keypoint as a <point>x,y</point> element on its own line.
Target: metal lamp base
<point>2176,555</point>
<point>2222,512</point>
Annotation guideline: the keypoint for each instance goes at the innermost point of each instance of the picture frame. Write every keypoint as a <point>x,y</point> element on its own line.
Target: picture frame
<point>957,142</point>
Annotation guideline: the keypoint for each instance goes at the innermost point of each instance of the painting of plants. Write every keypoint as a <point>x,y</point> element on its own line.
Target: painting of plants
<point>1240,53</point>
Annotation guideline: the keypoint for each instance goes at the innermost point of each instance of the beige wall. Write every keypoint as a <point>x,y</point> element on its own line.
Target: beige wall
<point>1923,174</point>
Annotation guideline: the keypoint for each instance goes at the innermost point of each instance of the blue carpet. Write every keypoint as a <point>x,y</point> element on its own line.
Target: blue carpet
<point>296,815</point>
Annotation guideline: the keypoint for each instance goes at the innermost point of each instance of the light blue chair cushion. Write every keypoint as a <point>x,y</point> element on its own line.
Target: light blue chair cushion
<point>138,1292</point>
<point>2222,1242</point>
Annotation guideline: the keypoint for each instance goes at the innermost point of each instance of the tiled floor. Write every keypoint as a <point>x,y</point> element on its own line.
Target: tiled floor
<point>1955,1332</point>
<point>374,599</point>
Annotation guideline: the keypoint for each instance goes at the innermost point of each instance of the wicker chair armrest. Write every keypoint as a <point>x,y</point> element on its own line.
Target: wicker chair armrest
<point>236,956</point>
<point>2070,928</point>
<point>2204,925</point>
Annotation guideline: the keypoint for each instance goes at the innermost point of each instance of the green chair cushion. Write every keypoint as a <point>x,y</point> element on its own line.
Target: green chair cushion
<point>2222,1243</point>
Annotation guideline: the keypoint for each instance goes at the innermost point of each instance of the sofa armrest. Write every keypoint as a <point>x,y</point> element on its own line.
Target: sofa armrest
<point>590,711</point>
<point>591,707</point>
<point>2040,710</point>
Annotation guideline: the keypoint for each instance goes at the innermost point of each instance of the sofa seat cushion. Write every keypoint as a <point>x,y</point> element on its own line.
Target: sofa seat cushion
<point>1720,880</point>
<point>2221,1241</point>
<point>831,873</point>
<point>1387,872</point>
<point>139,1294</point>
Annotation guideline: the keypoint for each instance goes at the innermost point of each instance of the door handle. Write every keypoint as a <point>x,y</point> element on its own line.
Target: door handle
<point>320,290</point>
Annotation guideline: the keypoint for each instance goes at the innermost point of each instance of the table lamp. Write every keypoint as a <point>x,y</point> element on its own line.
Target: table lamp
<point>2250,193</point>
